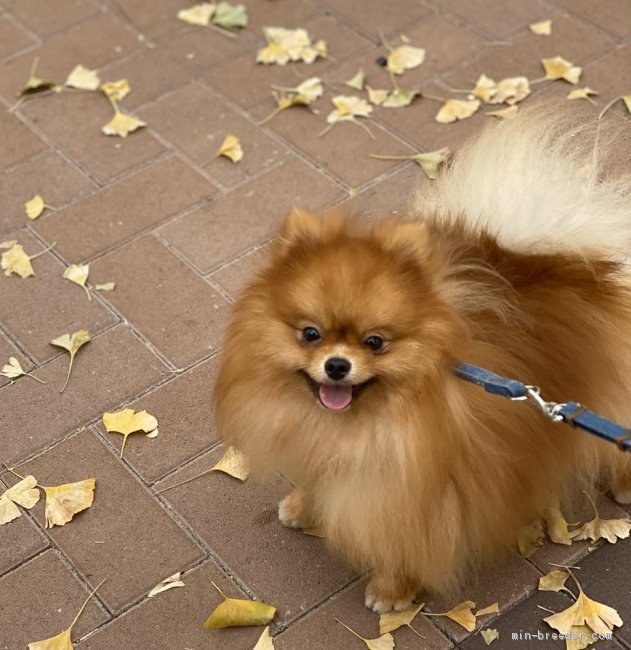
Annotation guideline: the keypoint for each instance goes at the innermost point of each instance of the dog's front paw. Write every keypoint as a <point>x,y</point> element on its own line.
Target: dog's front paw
<point>293,512</point>
<point>386,594</point>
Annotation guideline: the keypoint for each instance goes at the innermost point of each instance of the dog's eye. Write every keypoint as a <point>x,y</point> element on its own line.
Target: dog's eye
<point>310,335</point>
<point>374,343</point>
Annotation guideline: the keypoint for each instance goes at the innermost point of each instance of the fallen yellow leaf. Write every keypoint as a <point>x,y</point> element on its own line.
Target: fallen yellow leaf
<point>13,370</point>
<point>627,102</point>
<point>510,90</point>
<point>63,502</point>
<point>78,273</point>
<point>463,615</point>
<point>122,124</point>
<point>554,581</point>
<point>377,97</point>
<point>509,113</point>
<point>529,538</point>
<point>230,17</point>
<point>8,243</point>
<point>391,621</point>
<point>116,90</point>
<point>83,79</point>
<point>581,93</point>
<point>35,84</point>
<point>235,612</point>
<point>429,162</point>
<point>558,68</point>
<point>72,343</point>
<point>384,642</point>
<point>106,286</point>
<point>610,529</point>
<point>233,463</point>
<point>24,493</point>
<point>128,421</point>
<point>357,80</point>
<point>15,260</point>
<point>489,635</point>
<point>399,97</point>
<point>346,110</point>
<point>284,45</point>
<point>35,207</point>
<point>168,583</point>
<point>231,148</point>
<point>542,28</point>
<point>491,609</point>
<point>302,95</point>
<point>457,109</point>
<point>265,641</point>
<point>198,14</point>
<point>556,526</point>
<point>405,57</point>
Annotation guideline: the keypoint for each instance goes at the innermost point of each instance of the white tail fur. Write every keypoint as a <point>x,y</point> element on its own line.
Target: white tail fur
<point>539,182</point>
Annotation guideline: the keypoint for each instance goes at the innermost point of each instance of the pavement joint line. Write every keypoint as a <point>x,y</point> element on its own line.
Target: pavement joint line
<point>17,344</point>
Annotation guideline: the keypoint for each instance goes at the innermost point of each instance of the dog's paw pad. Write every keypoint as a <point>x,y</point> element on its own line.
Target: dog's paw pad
<point>622,496</point>
<point>381,605</point>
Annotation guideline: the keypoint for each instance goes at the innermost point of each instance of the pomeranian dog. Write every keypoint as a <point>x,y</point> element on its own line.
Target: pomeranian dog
<point>337,368</point>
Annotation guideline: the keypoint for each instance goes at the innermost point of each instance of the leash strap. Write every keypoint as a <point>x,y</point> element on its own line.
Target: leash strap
<point>571,413</point>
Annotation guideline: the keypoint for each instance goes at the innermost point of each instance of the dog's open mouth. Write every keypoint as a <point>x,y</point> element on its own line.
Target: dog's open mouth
<point>336,397</point>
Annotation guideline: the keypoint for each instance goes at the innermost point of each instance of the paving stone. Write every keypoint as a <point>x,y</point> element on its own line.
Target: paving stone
<point>236,221</point>
<point>280,13</point>
<point>12,38</point>
<point>73,120</point>
<point>47,18</point>
<point>185,418</point>
<point>284,567</point>
<point>47,174</point>
<point>107,371</point>
<point>376,18</point>
<point>19,540</point>
<point>174,619</point>
<point>196,122</point>
<point>18,142</point>
<point>497,20</point>
<point>122,210</point>
<point>94,43</point>
<point>123,528</point>
<point>174,308</point>
<point>234,276</point>
<point>149,17</point>
<point>33,319</point>
<point>40,599</point>
<point>320,631</point>
<point>248,83</point>
<point>8,349</point>
<point>612,15</point>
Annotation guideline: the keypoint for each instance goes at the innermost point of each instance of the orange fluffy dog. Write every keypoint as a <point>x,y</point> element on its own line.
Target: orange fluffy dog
<point>337,368</point>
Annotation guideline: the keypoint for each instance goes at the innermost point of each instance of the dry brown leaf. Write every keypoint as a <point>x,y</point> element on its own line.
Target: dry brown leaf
<point>285,45</point>
<point>558,68</point>
<point>491,609</point>
<point>357,80</point>
<point>234,612</point>
<point>384,642</point>
<point>391,621</point>
<point>598,617</point>
<point>509,113</point>
<point>116,90</point>
<point>405,57</point>
<point>83,79</point>
<point>72,343</point>
<point>377,97</point>
<point>581,93</point>
<point>197,14</point>
<point>127,422</point>
<point>16,261</point>
<point>78,273</point>
<point>233,463</point>
<point>106,286</point>
<point>265,641</point>
<point>556,526</point>
<point>347,109</point>
<point>168,583</point>
<point>457,109</point>
<point>542,28</point>
<point>489,635</point>
<point>122,124</point>
<point>35,84</point>
<point>554,581</point>
<point>63,502</point>
<point>231,148</point>
<point>24,493</point>
<point>35,207</point>
<point>13,370</point>
<point>530,537</point>
<point>399,97</point>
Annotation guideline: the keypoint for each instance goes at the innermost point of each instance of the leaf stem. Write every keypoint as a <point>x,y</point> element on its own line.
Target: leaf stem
<point>221,30</point>
<point>272,115</point>
<point>349,629</point>
<point>415,632</point>
<point>85,603</point>
<point>14,472</point>
<point>192,478</point>
<point>28,374</point>
<point>125,435</point>
<point>68,375</point>
<point>608,106</point>
<point>219,590</point>
<point>32,257</point>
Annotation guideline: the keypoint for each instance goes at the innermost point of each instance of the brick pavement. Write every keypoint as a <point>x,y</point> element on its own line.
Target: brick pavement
<point>179,232</point>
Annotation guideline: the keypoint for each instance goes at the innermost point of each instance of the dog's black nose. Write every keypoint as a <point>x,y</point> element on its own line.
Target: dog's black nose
<point>337,367</point>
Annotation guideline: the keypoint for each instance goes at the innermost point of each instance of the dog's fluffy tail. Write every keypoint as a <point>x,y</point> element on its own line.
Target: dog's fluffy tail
<point>546,181</point>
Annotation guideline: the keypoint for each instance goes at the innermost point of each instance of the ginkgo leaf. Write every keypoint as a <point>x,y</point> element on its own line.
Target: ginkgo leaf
<point>598,617</point>
<point>302,95</point>
<point>489,635</point>
<point>610,529</point>
<point>265,641</point>
<point>429,162</point>
<point>24,493</point>
<point>116,90</point>
<point>346,110</point>
<point>168,583</point>
<point>542,28</point>
<point>198,14</point>
<point>463,615</point>
<point>234,463</point>
<point>122,124</point>
<point>510,90</point>
<point>35,207</point>
<point>231,17</point>
<point>16,261</point>
<point>383,642</point>
<point>8,243</point>
<point>13,370</point>
<point>377,97</point>
<point>556,526</point>
<point>405,57</point>
<point>529,538</point>
<point>491,609</point>
<point>399,97</point>
<point>391,621</point>
<point>72,343</point>
<point>78,273</point>
<point>63,640</point>
<point>554,581</point>
<point>558,68</point>
<point>627,102</point>
<point>284,45</point>
<point>35,84</point>
<point>509,113</point>
<point>580,637</point>
<point>106,286</point>
<point>127,422</point>
<point>63,502</point>
<point>234,612</point>
<point>83,79</point>
<point>357,80</point>
<point>581,93</point>
<point>231,148</point>
<point>457,109</point>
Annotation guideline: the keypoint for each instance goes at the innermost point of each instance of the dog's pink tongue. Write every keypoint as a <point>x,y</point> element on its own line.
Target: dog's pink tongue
<point>336,398</point>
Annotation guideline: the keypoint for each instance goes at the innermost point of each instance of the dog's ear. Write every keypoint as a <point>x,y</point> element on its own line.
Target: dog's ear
<point>300,224</point>
<point>403,238</point>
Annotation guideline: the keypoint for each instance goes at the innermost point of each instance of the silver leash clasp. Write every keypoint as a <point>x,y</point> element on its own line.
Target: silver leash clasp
<point>549,409</point>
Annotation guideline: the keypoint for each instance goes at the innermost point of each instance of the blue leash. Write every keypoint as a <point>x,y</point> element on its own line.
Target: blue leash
<point>569,412</point>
